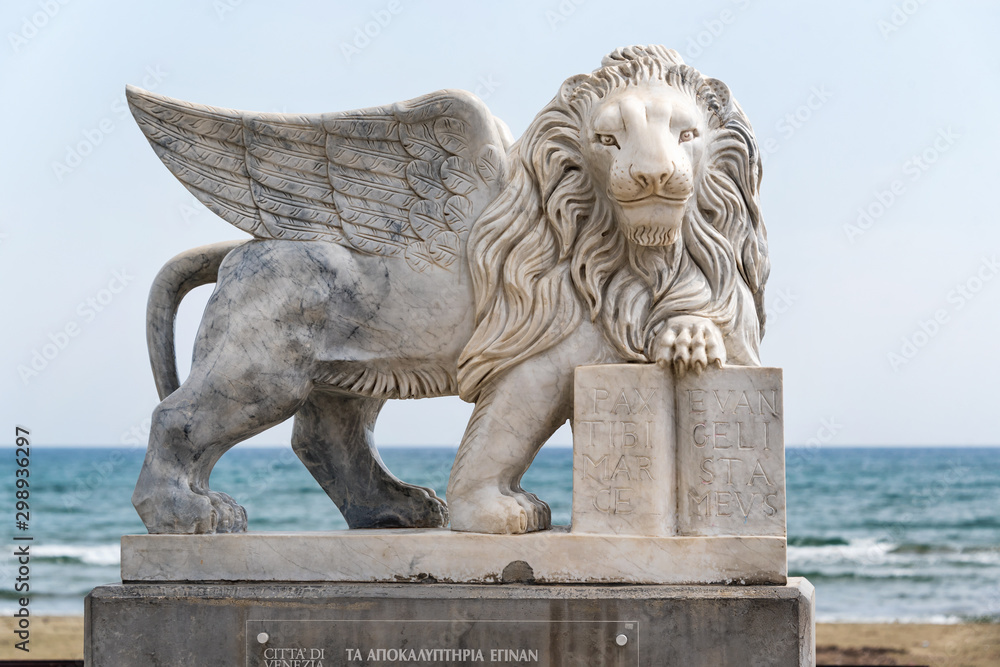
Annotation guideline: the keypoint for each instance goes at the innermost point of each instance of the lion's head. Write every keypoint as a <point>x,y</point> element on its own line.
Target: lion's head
<point>634,198</point>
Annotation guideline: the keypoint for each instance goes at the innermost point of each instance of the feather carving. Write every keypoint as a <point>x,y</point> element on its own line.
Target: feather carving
<point>406,180</point>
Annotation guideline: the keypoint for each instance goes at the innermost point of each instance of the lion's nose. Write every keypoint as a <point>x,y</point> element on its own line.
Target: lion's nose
<point>652,178</point>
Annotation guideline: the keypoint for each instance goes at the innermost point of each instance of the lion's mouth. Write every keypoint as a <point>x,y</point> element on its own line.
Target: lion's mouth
<point>653,200</point>
<point>653,220</point>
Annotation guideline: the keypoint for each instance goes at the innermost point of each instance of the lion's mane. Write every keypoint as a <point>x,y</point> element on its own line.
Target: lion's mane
<point>549,252</point>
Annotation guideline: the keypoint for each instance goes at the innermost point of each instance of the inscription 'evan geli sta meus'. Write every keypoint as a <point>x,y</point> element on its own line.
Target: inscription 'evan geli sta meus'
<point>731,454</point>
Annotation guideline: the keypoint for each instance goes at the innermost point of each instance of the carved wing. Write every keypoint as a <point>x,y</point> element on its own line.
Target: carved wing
<point>405,180</point>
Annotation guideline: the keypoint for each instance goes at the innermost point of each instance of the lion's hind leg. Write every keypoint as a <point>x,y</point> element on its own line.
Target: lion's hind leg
<point>226,400</point>
<point>333,438</point>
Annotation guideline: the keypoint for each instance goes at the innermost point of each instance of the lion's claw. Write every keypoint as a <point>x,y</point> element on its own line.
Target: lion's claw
<point>688,343</point>
<point>231,517</point>
<point>699,357</point>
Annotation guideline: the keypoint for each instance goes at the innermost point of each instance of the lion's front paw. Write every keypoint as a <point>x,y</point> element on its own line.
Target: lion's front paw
<point>491,511</point>
<point>689,342</point>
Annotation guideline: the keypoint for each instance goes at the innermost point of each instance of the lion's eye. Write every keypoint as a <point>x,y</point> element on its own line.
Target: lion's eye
<point>607,140</point>
<point>687,135</point>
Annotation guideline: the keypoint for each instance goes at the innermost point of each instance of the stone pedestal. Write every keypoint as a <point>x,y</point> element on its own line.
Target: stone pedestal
<point>450,624</point>
<point>678,534</point>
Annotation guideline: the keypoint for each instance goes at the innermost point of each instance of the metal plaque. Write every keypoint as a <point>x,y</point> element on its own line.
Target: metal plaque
<point>320,643</point>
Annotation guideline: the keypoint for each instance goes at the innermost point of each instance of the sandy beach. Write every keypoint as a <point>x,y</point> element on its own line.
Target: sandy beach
<point>968,645</point>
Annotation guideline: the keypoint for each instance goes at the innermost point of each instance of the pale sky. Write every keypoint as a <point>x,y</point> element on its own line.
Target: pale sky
<point>877,120</point>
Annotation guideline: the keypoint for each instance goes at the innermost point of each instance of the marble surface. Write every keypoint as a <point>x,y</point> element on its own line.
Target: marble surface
<point>624,451</point>
<point>415,250</point>
<point>701,453</point>
<point>429,555</point>
<point>731,453</point>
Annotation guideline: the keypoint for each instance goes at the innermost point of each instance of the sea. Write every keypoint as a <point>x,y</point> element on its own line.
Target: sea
<point>884,534</point>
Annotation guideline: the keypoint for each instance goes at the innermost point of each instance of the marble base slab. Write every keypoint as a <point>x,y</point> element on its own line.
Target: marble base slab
<point>378,624</point>
<point>441,555</point>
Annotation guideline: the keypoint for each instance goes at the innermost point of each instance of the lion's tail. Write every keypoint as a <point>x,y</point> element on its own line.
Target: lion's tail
<point>190,269</point>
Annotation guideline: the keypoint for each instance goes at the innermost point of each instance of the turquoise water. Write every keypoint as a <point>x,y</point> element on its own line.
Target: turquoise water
<point>908,534</point>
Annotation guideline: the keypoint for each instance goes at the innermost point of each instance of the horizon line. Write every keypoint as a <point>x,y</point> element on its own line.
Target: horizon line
<point>550,445</point>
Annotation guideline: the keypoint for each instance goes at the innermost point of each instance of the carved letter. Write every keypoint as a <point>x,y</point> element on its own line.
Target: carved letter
<point>696,400</point>
<point>589,463</point>
<point>597,498</point>
<point>739,437</point>
<point>621,467</point>
<point>745,510</point>
<point>629,437</point>
<point>720,503</point>
<point>761,402</point>
<point>704,469</point>
<point>722,406</point>
<point>622,499</point>
<point>729,470</point>
<point>720,434</point>
<point>592,429</point>
<point>697,502</point>
<point>644,463</point>
<point>644,401</point>
<point>622,401</point>
<point>758,467</point>
<point>694,434</point>
<point>598,398</point>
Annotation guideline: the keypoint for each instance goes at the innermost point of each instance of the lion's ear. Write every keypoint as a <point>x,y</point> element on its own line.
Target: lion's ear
<point>570,85</point>
<point>721,91</point>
